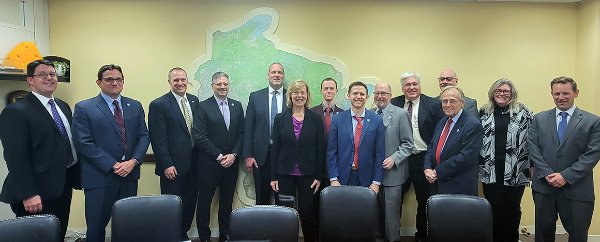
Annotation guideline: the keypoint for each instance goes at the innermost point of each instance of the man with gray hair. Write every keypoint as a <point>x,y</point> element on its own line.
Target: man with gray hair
<point>448,78</point>
<point>218,132</point>
<point>424,113</point>
<point>398,146</point>
<point>452,158</point>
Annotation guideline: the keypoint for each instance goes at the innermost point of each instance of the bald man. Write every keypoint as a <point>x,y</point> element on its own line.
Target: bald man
<point>448,78</point>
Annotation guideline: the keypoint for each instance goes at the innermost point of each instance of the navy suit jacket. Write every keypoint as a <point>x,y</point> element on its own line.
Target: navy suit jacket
<point>457,171</point>
<point>430,113</point>
<point>212,136</point>
<point>36,154</point>
<point>308,151</point>
<point>340,148</point>
<point>98,141</point>
<point>171,142</point>
<point>257,131</point>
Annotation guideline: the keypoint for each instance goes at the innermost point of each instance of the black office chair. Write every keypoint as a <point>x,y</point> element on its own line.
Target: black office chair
<point>33,228</point>
<point>264,223</point>
<point>348,213</point>
<point>146,218</point>
<point>460,218</point>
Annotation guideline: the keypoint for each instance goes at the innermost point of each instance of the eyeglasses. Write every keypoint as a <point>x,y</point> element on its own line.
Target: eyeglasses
<point>449,101</point>
<point>111,80</point>
<point>44,75</point>
<point>505,92</point>
<point>381,93</point>
<point>446,78</point>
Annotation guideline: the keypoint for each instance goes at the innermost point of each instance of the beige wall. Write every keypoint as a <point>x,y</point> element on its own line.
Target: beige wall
<point>526,42</point>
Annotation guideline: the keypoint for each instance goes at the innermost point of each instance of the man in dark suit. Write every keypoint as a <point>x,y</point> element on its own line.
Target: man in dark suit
<point>448,78</point>
<point>424,113</point>
<point>110,134</point>
<point>356,144</point>
<point>564,148</point>
<point>38,149</point>
<point>170,120</point>
<point>262,107</point>
<point>452,158</point>
<point>218,132</point>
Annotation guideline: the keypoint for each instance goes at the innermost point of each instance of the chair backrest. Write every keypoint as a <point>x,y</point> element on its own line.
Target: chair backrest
<point>264,222</point>
<point>348,213</point>
<point>33,228</point>
<point>146,218</point>
<point>464,218</point>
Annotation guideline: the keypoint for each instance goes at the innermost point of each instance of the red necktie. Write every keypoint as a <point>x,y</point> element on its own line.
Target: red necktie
<point>357,134</point>
<point>121,124</point>
<point>443,137</point>
<point>327,119</point>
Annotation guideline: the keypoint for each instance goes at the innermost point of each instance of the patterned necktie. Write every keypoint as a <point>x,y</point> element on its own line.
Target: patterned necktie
<point>121,124</point>
<point>443,137</point>
<point>273,109</point>
<point>562,127</point>
<point>186,115</point>
<point>357,135</point>
<point>61,128</point>
<point>327,119</point>
<point>58,120</point>
<point>225,112</point>
<point>380,112</point>
<point>409,110</point>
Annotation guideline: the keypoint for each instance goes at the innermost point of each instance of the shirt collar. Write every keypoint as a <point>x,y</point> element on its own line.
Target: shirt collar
<point>177,97</point>
<point>457,116</point>
<point>219,100</point>
<point>43,99</point>
<point>414,102</point>
<point>384,108</point>
<point>279,91</point>
<point>569,111</point>
<point>362,115</point>
<point>108,99</point>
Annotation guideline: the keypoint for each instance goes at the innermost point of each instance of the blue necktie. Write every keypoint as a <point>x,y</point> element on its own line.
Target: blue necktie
<point>562,127</point>
<point>273,109</point>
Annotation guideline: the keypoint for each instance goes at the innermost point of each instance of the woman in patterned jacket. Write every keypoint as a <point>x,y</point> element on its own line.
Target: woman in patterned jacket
<point>504,159</point>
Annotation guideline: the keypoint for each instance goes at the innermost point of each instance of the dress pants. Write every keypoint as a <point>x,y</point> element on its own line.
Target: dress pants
<point>576,216</point>
<point>99,202</point>
<point>262,182</point>
<point>184,186</point>
<point>390,203</point>
<point>59,207</point>
<point>506,210</point>
<point>422,191</point>
<point>208,181</point>
<point>300,185</point>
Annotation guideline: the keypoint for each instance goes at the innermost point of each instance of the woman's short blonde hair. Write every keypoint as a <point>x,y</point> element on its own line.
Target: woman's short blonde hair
<point>295,86</point>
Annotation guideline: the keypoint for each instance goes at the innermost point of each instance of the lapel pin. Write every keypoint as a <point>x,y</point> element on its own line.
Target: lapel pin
<point>457,130</point>
<point>368,120</point>
<point>232,104</point>
<point>128,104</point>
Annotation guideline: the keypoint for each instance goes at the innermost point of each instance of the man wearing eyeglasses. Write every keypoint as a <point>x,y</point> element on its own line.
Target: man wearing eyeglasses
<point>398,146</point>
<point>452,158</point>
<point>448,78</point>
<point>110,134</point>
<point>38,149</point>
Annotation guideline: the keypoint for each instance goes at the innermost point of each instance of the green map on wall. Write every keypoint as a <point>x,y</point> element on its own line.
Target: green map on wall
<point>244,50</point>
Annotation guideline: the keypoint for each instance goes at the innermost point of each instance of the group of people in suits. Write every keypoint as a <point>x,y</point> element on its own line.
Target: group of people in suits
<point>438,144</point>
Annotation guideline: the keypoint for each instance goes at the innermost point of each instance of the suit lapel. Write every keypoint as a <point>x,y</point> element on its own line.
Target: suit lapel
<point>128,114</point>
<point>37,104</point>
<point>176,110</point>
<point>573,122</point>
<point>551,121</point>
<point>387,116</point>
<point>103,106</point>
<point>366,122</point>
<point>454,133</point>
<point>216,110</point>
<point>265,104</point>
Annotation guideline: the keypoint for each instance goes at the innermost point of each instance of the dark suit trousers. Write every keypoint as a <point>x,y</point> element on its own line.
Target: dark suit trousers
<point>422,190</point>
<point>506,210</point>
<point>59,207</point>
<point>262,182</point>
<point>576,216</point>
<point>208,181</point>
<point>99,202</point>
<point>184,186</point>
<point>289,185</point>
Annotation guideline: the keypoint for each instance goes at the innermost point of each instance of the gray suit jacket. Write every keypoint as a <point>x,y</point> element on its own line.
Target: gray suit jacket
<point>398,143</point>
<point>574,158</point>
<point>470,106</point>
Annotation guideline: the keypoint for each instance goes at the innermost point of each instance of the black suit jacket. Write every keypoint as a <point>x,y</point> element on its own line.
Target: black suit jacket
<point>307,151</point>
<point>430,113</point>
<point>319,111</point>
<point>36,154</point>
<point>258,116</point>
<point>211,134</point>
<point>171,141</point>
